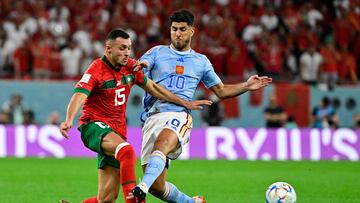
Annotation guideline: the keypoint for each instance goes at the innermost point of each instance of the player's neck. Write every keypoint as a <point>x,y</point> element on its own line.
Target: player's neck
<point>108,58</point>
<point>186,49</point>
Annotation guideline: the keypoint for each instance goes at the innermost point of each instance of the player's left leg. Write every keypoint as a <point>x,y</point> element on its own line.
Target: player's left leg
<point>114,145</point>
<point>166,142</point>
<point>158,187</point>
<point>108,186</point>
<point>164,134</point>
<point>155,171</point>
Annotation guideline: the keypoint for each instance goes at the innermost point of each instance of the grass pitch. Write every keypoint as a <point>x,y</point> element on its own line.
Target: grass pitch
<point>31,180</point>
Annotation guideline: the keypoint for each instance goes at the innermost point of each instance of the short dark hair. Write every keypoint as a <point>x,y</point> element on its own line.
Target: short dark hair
<point>182,16</point>
<point>113,34</point>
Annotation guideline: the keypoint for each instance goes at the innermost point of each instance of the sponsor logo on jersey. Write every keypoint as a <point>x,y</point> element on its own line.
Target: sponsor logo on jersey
<point>181,59</point>
<point>85,78</point>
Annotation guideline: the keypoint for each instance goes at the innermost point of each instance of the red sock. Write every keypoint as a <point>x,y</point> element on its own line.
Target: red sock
<point>126,157</point>
<point>90,200</point>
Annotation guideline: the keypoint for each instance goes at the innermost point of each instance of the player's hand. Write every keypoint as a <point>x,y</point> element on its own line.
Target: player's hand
<point>255,82</point>
<point>139,65</point>
<point>64,127</point>
<point>197,104</point>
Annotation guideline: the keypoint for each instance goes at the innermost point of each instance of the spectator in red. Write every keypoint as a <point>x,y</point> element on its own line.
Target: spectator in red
<point>356,51</point>
<point>329,69</point>
<point>290,16</point>
<point>306,37</point>
<point>343,29</point>
<point>272,55</point>
<point>354,15</point>
<point>236,61</point>
<point>347,67</point>
<point>22,61</point>
<point>42,53</point>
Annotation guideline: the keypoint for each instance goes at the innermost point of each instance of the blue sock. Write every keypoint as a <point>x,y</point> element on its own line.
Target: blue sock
<point>154,168</point>
<point>175,195</point>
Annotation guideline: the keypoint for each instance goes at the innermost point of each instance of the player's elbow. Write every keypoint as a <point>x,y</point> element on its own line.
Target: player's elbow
<point>222,95</point>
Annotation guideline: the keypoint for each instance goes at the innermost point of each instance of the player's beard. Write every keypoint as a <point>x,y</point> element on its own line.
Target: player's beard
<point>122,61</point>
<point>180,44</point>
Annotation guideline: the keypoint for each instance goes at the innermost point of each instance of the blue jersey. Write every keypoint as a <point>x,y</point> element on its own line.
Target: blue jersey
<point>179,72</point>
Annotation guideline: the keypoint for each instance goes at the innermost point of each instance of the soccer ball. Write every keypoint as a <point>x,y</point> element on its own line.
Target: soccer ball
<point>280,192</point>
<point>199,199</point>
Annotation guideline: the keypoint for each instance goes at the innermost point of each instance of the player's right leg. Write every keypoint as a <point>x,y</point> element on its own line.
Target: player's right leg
<point>168,192</point>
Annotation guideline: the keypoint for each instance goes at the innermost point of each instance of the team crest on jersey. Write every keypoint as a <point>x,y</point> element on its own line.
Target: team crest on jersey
<point>179,70</point>
<point>85,78</point>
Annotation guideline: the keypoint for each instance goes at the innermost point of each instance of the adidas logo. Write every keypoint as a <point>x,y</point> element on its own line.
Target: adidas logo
<point>181,59</point>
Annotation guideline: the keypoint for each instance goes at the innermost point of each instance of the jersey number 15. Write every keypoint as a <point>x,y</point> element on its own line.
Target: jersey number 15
<point>120,96</point>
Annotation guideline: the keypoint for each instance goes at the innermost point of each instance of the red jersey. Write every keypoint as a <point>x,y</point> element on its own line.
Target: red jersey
<point>108,88</point>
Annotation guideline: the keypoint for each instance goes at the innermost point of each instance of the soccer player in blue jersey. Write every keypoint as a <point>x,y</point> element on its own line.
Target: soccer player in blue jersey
<point>167,126</point>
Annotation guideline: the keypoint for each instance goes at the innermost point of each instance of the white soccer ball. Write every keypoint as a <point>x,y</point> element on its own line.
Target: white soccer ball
<point>280,192</point>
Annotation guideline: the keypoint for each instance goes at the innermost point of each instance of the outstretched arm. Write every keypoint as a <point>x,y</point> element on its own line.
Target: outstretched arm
<point>139,65</point>
<point>255,82</point>
<point>75,102</point>
<point>164,94</point>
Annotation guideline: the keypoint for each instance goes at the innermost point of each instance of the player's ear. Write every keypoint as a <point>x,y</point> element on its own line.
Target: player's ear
<point>192,30</point>
<point>107,47</point>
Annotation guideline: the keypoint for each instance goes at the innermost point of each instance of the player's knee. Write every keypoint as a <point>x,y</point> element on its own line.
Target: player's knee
<point>125,153</point>
<point>165,145</point>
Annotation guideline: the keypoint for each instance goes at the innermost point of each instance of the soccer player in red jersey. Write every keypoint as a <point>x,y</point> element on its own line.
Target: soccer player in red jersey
<point>103,91</point>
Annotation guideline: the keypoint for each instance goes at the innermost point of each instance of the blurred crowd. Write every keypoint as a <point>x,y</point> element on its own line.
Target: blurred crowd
<point>291,40</point>
<point>323,115</point>
<point>14,112</point>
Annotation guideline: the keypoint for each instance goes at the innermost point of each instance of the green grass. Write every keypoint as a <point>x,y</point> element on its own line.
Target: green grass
<point>48,180</point>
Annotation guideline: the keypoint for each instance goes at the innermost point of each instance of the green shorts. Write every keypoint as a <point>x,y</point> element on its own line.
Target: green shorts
<point>92,135</point>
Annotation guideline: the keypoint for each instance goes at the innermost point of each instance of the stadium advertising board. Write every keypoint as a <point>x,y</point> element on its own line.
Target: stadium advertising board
<point>206,143</point>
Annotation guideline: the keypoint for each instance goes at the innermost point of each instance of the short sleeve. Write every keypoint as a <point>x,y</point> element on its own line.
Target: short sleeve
<point>88,80</point>
<point>210,78</point>
<point>140,78</point>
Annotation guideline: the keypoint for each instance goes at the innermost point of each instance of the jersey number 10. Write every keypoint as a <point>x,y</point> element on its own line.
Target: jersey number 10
<point>178,80</point>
